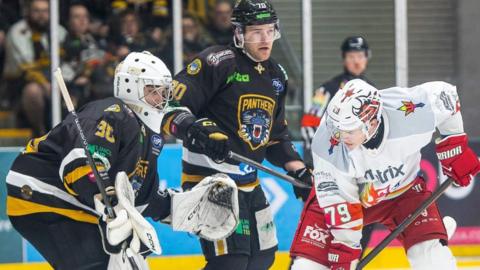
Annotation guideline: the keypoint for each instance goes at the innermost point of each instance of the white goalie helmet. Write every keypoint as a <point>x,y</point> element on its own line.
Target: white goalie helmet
<point>144,83</point>
<point>353,107</point>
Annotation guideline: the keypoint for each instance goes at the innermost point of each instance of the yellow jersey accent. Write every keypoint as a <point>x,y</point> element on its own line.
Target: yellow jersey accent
<point>19,207</point>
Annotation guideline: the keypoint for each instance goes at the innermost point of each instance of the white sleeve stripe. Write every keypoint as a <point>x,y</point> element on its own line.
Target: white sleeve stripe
<point>19,180</point>
<point>74,154</point>
<point>351,224</point>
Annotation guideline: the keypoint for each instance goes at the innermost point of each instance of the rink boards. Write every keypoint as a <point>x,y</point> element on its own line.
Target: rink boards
<point>456,202</point>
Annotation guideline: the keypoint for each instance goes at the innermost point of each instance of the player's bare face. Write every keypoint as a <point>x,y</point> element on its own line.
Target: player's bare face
<point>352,138</point>
<point>259,40</point>
<point>153,95</point>
<point>355,62</point>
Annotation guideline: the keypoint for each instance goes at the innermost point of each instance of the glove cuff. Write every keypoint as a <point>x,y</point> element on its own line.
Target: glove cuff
<point>452,139</point>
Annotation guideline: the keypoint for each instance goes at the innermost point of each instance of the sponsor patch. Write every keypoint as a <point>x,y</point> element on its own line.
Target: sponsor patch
<point>214,59</point>
<point>194,67</point>
<point>100,150</point>
<point>327,186</point>
<point>449,101</point>
<point>255,114</point>
<point>278,86</point>
<point>237,77</point>
<point>243,227</point>
<point>316,236</point>
<point>157,144</point>
<point>113,108</point>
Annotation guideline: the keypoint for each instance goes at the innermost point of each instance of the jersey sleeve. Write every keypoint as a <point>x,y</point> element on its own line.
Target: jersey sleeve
<point>280,149</point>
<point>106,141</point>
<point>337,191</point>
<point>196,84</point>
<point>445,106</point>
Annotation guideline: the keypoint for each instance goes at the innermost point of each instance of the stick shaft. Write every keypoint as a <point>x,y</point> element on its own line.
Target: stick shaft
<point>100,177</point>
<point>259,166</point>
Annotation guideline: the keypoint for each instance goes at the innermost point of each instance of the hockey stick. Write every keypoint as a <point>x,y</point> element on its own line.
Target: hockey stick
<point>259,166</point>
<point>101,176</point>
<point>435,195</point>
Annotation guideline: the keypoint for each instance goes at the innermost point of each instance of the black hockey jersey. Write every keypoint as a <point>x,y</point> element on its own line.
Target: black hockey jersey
<point>246,99</point>
<point>52,175</point>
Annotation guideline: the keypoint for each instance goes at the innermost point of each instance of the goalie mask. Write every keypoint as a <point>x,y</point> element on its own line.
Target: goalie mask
<point>144,83</point>
<point>354,107</point>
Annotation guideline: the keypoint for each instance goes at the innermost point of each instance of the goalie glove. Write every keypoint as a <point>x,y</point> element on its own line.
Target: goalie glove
<point>209,209</point>
<point>128,225</point>
<point>457,159</point>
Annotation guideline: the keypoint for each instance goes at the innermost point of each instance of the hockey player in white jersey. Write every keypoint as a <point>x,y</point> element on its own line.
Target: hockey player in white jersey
<point>367,161</point>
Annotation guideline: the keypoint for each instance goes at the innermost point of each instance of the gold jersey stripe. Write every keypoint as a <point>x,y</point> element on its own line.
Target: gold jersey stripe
<point>19,207</point>
<point>32,146</point>
<point>79,172</point>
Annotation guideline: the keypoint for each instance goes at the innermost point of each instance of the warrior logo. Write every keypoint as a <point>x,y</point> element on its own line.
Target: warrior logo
<point>255,119</point>
<point>409,107</point>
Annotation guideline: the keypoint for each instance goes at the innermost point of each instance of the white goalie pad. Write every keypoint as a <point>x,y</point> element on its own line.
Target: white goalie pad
<point>143,230</point>
<point>210,209</point>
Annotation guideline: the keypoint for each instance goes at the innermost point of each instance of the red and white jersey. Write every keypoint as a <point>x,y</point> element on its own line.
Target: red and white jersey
<point>347,180</point>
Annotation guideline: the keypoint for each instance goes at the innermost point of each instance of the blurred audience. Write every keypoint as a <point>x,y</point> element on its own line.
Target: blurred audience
<point>129,37</point>
<point>195,39</point>
<point>100,34</point>
<point>220,26</point>
<point>81,54</point>
<point>27,66</point>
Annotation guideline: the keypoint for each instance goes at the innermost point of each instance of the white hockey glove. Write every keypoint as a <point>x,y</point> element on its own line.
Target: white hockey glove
<point>210,209</point>
<point>129,223</point>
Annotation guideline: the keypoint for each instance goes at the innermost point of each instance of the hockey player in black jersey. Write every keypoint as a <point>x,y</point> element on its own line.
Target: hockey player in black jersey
<point>51,188</point>
<point>236,95</point>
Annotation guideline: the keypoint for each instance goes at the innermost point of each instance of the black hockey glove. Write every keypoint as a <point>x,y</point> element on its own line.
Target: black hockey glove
<point>305,176</point>
<point>208,137</point>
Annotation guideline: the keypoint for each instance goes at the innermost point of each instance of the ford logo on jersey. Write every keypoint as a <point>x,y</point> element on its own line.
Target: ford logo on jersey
<point>277,86</point>
<point>157,141</point>
<point>157,144</point>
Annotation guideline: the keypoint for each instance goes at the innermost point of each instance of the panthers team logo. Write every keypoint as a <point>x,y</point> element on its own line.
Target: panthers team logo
<point>255,119</point>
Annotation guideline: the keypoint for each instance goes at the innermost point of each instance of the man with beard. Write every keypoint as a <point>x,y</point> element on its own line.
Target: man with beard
<point>236,96</point>
<point>27,66</point>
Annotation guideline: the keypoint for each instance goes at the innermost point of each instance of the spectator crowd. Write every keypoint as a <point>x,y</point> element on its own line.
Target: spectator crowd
<point>95,35</point>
